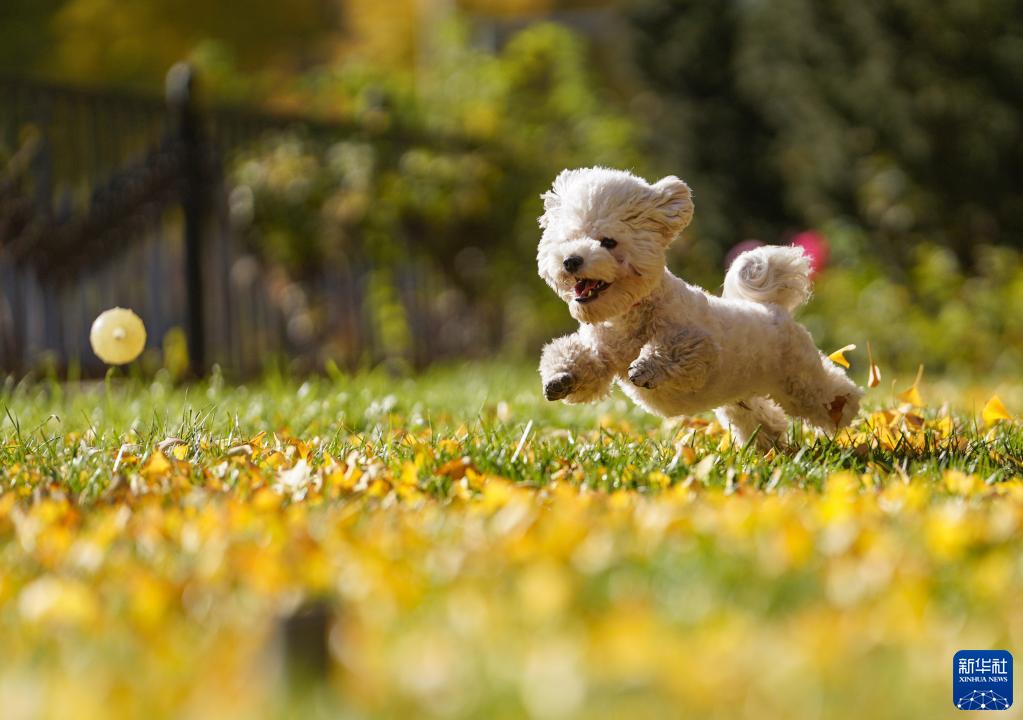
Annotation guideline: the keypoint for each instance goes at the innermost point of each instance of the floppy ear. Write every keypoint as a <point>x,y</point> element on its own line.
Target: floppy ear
<point>672,206</point>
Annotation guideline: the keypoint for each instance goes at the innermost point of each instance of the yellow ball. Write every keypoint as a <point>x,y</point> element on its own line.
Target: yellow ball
<point>118,336</point>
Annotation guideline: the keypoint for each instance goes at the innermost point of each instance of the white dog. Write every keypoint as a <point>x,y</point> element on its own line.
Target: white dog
<point>674,348</point>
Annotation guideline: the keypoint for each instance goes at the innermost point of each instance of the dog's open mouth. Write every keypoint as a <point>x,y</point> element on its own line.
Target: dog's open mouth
<point>589,290</point>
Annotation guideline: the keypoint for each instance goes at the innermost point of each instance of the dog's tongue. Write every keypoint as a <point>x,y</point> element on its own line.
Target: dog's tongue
<point>583,285</point>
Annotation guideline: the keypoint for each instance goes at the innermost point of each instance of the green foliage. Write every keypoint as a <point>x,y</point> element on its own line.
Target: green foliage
<point>707,129</point>
<point>396,188</point>
<point>134,43</point>
<point>964,324</point>
<point>892,124</point>
<point>25,33</point>
<point>899,114</point>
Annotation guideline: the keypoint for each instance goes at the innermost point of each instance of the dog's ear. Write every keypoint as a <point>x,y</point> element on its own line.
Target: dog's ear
<point>672,206</point>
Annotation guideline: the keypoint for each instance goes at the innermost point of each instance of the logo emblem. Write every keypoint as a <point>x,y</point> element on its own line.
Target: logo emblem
<point>982,679</point>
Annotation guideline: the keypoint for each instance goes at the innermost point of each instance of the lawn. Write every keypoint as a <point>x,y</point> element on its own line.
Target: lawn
<point>455,546</point>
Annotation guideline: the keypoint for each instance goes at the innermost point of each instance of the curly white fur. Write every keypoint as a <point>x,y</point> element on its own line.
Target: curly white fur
<point>773,274</point>
<point>674,348</point>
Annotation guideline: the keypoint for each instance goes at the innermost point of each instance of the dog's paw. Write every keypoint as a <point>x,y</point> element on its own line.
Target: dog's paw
<point>644,375</point>
<point>559,386</point>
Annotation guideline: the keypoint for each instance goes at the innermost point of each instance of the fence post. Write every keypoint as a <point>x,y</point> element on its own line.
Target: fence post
<point>190,145</point>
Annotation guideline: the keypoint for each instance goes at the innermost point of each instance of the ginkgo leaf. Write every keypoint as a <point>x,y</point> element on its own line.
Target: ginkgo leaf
<point>994,411</point>
<point>874,374</point>
<point>156,465</point>
<point>838,357</point>
<point>409,473</point>
<point>275,459</point>
<point>455,469</point>
<point>912,395</point>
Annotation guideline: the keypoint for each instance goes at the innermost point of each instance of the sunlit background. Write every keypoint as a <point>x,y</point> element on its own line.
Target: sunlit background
<point>372,169</point>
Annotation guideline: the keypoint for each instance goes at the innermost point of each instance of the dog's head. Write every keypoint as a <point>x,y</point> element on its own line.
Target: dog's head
<point>605,233</point>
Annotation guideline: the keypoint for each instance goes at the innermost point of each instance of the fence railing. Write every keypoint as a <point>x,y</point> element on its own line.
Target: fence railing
<point>112,199</point>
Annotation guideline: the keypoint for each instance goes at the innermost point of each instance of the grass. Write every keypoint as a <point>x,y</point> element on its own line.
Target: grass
<point>454,546</point>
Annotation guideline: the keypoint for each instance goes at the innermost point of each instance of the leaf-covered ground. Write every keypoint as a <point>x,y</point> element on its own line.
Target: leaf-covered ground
<point>454,546</point>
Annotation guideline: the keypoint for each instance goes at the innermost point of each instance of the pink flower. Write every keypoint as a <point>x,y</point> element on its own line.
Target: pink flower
<point>815,245</point>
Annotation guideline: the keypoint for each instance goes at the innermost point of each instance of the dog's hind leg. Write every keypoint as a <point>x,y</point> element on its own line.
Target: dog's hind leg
<point>758,415</point>
<point>814,388</point>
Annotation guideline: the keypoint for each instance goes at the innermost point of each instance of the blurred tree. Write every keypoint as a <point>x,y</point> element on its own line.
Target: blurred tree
<point>134,43</point>
<point>25,36</point>
<point>902,114</point>
<point>384,32</point>
<point>471,207</point>
<point>708,129</point>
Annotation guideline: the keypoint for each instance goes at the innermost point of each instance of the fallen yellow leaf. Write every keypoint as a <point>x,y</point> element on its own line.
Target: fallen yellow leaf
<point>156,465</point>
<point>874,374</point>
<point>838,357</point>
<point>455,469</point>
<point>912,395</point>
<point>409,473</point>
<point>962,484</point>
<point>994,411</point>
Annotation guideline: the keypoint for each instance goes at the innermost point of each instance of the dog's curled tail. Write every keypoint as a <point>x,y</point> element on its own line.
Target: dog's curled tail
<point>770,274</point>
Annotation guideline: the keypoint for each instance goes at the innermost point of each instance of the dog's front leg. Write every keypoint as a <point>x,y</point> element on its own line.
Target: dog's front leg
<point>573,371</point>
<point>682,358</point>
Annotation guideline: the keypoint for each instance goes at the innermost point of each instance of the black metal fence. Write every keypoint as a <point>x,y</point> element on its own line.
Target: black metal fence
<point>110,199</point>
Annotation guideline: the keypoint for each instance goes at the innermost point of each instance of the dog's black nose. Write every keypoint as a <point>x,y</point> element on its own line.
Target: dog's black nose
<point>573,263</point>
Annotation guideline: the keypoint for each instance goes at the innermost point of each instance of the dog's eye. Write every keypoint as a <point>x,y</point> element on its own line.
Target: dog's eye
<point>608,243</point>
